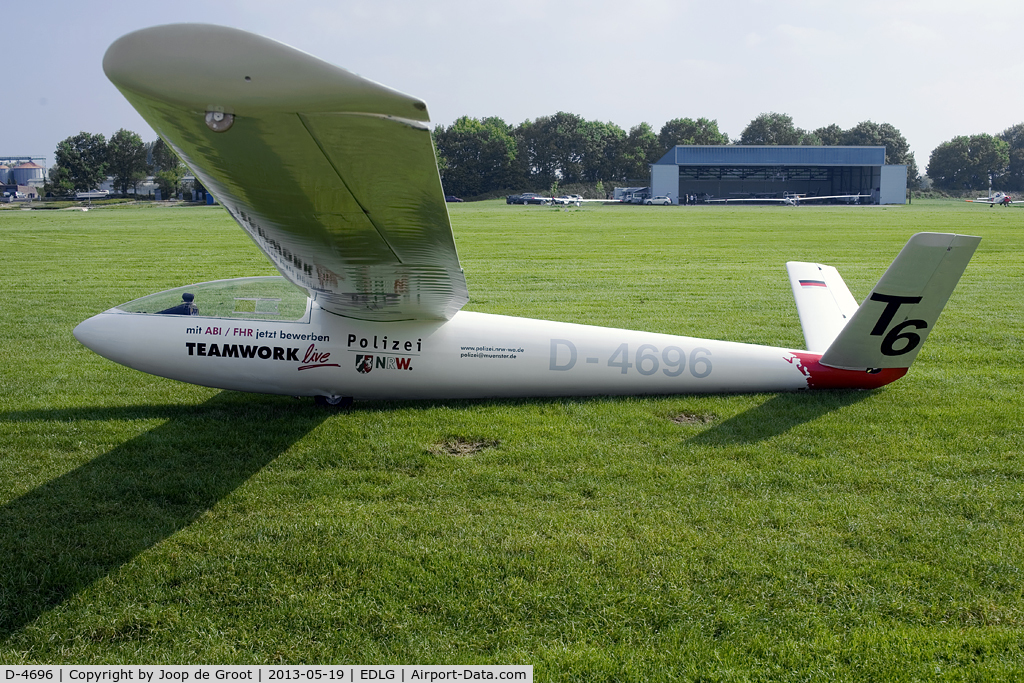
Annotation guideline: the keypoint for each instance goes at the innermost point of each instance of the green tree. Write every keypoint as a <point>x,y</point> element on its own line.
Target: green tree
<point>164,158</point>
<point>604,162</point>
<point>689,132</point>
<point>169,182</point>
<point>1013,179</point>
<point>771,129</point>
<point>126,159</point>
<point>558,147</point>
<point>807,137</point>
<point>589,139</point>
<point>169,169</point>
<point>640,149</point>
<point>897,149</point>
<point>565,148</point>
<point>568,141</point>
<point>536,163</point>
<point>58,182</point>
<point>968,162</point>
<point>475,157</point>
<point>830,135</point>
<point>83,158</point>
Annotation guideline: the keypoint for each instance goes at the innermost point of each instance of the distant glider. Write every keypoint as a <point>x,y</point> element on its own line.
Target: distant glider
<point>334,178</point>
<point>564,200</point>
<point>792,199</point>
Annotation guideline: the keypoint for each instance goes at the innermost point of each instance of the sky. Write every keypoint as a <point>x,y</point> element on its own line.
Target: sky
<point>934,69</point>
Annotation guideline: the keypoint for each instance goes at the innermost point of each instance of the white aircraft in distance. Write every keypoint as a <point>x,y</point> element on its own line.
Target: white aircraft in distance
<point>791,199</point>
<point>567,199</point>
<point>334,178</point>
<point>564,200</point>
<point>993,199</point>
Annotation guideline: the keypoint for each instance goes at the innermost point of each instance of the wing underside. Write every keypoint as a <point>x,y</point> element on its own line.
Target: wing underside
<point>333,176</point>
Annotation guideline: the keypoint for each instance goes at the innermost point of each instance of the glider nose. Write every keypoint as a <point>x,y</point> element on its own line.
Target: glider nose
<point>89,333</point>
<point>99,335</point>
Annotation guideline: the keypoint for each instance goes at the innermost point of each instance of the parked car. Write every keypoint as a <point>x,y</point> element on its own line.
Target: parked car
<point>451,198</point>
<point>531,198</point>
<point>661,199</point>
<point>525,198</point>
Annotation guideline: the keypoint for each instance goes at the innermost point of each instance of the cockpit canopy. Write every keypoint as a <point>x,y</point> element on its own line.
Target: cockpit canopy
<point>246,298</point>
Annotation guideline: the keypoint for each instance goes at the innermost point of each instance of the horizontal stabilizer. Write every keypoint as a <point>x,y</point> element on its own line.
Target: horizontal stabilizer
<point>823,301</point>
<point>889,328</point>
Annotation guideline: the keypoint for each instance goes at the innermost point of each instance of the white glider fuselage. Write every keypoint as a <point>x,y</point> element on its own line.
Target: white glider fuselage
<point>368,305</point>
<point>473,355</point>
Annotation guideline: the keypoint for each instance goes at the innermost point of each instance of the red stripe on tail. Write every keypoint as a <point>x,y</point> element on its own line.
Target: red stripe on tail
<point>823,377</point>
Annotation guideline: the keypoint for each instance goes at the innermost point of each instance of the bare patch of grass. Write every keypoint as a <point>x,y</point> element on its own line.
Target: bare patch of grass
<point>688,418</point>
<point>461,446</point>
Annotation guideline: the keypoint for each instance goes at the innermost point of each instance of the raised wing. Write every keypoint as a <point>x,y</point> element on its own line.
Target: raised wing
<point>332,175</point>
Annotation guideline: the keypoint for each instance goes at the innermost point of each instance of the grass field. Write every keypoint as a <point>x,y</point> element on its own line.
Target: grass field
<point>813,536</point>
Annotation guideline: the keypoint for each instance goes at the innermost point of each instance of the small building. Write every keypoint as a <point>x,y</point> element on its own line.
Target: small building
<point>12,192</point>
<point>771,171</point>
<point>631,195</point>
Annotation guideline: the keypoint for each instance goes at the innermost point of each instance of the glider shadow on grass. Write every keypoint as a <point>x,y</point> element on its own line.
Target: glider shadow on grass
<point>776,416</point>
<point>64,535</point>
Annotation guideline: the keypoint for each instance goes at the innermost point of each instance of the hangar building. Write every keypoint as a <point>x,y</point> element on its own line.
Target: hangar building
<point>735,171</point>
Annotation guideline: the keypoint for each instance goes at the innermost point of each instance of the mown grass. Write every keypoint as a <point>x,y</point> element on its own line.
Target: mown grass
<point>813,536</point>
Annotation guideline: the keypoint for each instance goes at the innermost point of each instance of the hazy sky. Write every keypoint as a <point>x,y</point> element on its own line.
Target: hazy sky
<point>932,68</point>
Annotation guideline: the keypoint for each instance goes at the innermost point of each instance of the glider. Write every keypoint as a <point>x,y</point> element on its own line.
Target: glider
<point>564,200</point>
<point>791,199</point>
<point>334,178</point>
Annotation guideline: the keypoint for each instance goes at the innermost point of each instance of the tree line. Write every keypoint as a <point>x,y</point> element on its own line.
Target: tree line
<point>978,162</point>
<point>477,157</point>
<point>480,157</point>
<point>84,161</point>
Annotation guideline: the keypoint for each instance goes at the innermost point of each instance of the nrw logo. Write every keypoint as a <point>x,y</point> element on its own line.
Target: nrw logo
<point>365,363</point>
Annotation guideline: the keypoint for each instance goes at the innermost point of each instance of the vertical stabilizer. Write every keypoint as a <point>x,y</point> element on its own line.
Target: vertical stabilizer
<point>823,301</point>
<point>889,328</point>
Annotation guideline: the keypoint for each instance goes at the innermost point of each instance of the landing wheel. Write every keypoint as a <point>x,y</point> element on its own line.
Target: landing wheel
<point>334,401</point>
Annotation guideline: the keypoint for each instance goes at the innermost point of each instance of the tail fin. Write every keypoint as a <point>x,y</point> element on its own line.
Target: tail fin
<point>823,301</point>
<point>889,328</point>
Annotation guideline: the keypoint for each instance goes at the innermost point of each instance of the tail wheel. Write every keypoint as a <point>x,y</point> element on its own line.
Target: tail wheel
<point>334,401</point>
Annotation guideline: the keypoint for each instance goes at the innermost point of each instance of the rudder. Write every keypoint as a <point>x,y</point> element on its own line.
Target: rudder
<point>891,325</point>
<point>823,302</point>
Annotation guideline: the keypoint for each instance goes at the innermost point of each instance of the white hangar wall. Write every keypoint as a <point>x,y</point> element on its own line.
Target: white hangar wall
<point>894,185</point>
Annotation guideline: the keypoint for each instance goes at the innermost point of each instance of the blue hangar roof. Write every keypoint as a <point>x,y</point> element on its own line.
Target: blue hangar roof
<point>772,155</point>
